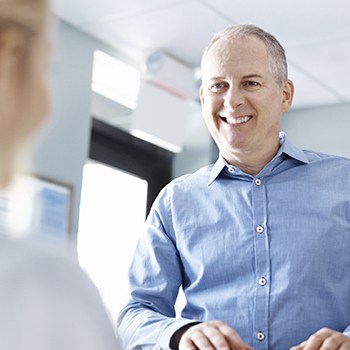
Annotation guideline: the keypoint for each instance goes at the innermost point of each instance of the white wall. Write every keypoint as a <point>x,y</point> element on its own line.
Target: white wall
<point>324,129</point>
<point>197,150</point>
<point>61,150</point>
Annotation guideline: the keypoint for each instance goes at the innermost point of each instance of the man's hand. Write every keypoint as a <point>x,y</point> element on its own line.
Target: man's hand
<point>214,335</point>
<point>325,339</point>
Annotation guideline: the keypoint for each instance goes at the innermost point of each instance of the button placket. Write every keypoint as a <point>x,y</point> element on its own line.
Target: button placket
<point>262,258</point>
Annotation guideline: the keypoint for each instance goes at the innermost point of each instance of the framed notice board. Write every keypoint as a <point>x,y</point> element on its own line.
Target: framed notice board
<point>36,205</point>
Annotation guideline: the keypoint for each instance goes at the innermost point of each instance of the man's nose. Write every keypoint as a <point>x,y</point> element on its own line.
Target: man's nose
<point>233,98</point>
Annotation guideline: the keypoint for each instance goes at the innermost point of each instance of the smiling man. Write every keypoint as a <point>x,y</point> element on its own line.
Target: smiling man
<point>260,240</point>
<point>243,100</point>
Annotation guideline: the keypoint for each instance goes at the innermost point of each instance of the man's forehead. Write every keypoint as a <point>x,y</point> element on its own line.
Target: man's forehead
<point>235,46</point>
<point>240,54</point>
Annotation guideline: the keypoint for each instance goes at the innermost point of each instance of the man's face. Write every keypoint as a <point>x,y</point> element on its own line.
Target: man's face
<point>241,101</point>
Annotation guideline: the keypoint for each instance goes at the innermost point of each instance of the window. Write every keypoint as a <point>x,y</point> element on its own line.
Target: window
<point>120,183</point>
<point>112,212</point>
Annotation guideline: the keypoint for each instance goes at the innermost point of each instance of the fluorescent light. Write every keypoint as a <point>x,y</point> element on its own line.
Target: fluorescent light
<point>115,79</point>
<point>156,141</point>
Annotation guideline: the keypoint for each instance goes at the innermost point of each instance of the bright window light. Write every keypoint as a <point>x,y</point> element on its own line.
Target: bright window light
<point>112,214</point>
<point>115,79</point>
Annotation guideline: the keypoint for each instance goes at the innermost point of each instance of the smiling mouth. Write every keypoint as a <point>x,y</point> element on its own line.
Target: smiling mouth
<point>240,120</point>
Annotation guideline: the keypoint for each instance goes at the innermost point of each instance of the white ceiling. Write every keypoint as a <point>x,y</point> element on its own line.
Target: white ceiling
<point>315,34</point>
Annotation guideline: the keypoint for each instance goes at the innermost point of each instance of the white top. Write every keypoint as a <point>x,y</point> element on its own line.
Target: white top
<point>48,303</point>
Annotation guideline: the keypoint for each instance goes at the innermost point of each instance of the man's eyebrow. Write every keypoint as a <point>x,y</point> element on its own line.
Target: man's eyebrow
<point>250,76</point>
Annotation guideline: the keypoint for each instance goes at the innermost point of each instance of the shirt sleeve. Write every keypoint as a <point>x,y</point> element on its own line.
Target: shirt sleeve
<point>148,320</point>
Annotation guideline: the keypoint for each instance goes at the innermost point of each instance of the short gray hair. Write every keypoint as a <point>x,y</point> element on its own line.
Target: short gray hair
<point>278,61</point>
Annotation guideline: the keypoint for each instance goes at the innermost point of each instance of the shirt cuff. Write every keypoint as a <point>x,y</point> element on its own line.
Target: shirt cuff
<point>347,331</point>
<point>164,340</point>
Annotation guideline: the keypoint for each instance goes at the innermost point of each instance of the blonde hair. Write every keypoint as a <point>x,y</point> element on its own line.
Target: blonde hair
<point>27,22</point>
<point>278,61</point>
<point>29,15</point>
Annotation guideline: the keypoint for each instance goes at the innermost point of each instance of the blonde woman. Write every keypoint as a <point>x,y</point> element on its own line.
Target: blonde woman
<point>46,302</point>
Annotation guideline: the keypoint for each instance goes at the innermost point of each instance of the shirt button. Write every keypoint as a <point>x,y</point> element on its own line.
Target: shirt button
<point>257,182</point>
<point>230,169</point>
<point>259,229</point>
<point>262,281</point>
<point>260,336</point>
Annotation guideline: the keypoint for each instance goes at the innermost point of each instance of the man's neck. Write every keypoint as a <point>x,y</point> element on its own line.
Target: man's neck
<point>251,162</point>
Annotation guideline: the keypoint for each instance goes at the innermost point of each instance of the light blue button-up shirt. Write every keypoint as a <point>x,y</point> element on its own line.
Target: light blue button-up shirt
<point>269,255</point>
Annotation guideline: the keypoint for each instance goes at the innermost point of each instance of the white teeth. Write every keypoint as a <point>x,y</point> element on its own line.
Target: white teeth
<point>238,120</point>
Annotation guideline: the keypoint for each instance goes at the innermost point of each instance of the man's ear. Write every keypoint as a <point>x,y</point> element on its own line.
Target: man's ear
<point>288,94</point>
<point>201,95</point>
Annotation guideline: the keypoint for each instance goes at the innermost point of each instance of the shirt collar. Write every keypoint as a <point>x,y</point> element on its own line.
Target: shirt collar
<point>286,147</point>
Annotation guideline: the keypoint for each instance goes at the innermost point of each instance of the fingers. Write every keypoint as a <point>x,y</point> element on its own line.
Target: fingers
<point>325,339</point>
<point>301,346</point>
<point>215,335</point>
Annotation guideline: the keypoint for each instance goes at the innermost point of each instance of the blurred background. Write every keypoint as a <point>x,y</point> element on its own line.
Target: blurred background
<point>127,117</point>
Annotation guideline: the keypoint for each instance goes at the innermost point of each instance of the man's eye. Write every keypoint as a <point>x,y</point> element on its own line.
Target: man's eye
<point>251,83</point>
<point>218,87</point>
